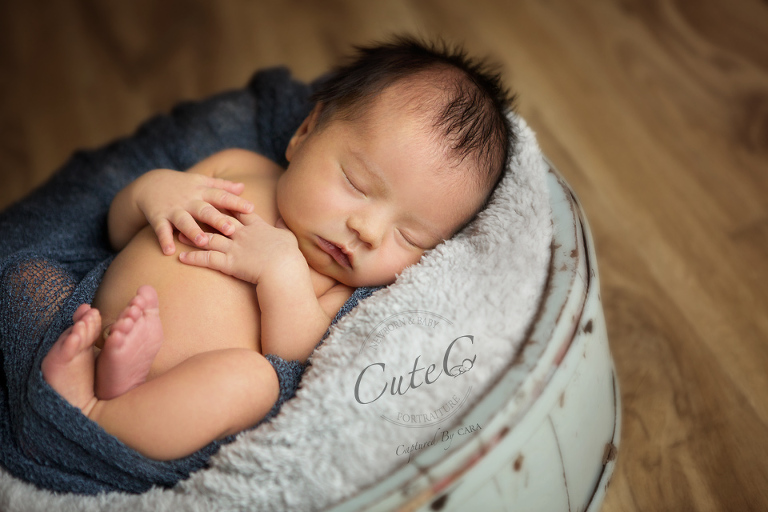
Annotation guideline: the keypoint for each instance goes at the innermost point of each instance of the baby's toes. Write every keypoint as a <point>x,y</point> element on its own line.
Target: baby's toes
<point>80,328</point>
<point>123,325</point>
<point>64,336</point>
<point>83,334</point>
<point>80,312</point>
<point>116,340</point>
<point>138,302</point>
<point>132,312</point>
<point>92,319</point>
<point>71,346</point>
<point>148,296</point>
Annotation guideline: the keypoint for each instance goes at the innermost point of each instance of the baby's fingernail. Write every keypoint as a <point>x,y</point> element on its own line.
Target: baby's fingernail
<point>168,249</point>
<point>200,239</point>
<point>226,227</point>
<point>182,255</point>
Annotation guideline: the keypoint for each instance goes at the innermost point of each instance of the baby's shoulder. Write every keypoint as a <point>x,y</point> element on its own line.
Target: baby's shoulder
<point>258,173</point>
<point>238,163</point>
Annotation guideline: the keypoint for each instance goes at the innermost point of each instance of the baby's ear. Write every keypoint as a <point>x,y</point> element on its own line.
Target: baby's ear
<point>307,127</point>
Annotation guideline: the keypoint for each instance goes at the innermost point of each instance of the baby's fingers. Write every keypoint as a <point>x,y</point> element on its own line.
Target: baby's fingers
<point>215,242</point>
<point>187,225</point>
<point>230,186</point>
<point>206,212</point>
<point>227,200</point>
<point>249,219</point>
<point>183,239</point>
<point>208,259</point>
<point>164,231</point>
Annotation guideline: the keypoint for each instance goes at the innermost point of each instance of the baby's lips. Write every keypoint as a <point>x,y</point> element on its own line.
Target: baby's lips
<point>336,252</point>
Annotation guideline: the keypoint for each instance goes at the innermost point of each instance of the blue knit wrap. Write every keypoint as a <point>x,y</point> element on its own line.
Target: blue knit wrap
<point>54,251</point>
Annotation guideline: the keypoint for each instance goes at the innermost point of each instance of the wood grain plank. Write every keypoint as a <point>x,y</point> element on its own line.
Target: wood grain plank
<point>656,111</point>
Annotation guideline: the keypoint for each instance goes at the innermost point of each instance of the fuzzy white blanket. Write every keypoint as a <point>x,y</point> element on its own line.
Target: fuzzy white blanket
<point>479,290</point>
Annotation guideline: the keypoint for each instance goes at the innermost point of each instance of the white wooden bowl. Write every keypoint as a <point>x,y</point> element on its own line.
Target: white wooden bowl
<point>551,423</point>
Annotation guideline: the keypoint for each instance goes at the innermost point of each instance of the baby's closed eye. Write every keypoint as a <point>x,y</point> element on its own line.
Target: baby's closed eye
<point>351,182</point>
<point>409,240</point>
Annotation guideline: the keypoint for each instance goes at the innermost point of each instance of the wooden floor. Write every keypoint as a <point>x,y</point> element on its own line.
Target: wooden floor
<point>655,111</point>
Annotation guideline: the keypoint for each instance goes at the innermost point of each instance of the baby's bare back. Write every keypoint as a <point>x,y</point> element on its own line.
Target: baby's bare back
<point>200,309</point>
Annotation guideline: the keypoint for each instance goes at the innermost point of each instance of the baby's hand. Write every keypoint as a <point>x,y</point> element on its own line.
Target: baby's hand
<point>171,199</point>
<point>255,249</point>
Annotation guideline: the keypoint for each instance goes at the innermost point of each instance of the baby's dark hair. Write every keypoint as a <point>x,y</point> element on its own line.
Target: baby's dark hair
<point>472,111</point>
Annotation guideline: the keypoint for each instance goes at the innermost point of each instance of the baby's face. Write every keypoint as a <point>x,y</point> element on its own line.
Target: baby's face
<point>366,198</point>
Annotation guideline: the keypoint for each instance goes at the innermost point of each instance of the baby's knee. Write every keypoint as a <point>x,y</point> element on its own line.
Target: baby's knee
<point>250,378</point>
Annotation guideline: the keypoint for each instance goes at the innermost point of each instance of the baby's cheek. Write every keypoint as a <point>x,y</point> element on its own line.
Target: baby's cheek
<point>397,267</point>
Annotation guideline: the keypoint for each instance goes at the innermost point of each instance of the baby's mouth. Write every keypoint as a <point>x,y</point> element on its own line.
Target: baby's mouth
<point>335,252</point>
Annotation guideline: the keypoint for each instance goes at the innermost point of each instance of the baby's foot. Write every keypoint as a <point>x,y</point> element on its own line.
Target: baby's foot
<point>133,342</point>
<point>69,365</point>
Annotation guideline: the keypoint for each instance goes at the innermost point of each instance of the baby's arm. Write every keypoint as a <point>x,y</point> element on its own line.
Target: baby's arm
<point>293,319</point>
<point>166,199</point>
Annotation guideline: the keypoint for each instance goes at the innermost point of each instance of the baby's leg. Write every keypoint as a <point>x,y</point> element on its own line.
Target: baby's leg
<point>69,365</point>
<point>133,342</point>
<point>206,397</point>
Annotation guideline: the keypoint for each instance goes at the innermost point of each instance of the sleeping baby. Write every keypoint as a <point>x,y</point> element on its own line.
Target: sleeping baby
<point>403,147</point>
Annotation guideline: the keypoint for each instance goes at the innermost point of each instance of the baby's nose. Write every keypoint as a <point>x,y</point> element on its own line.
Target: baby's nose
<point>369,229</point>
